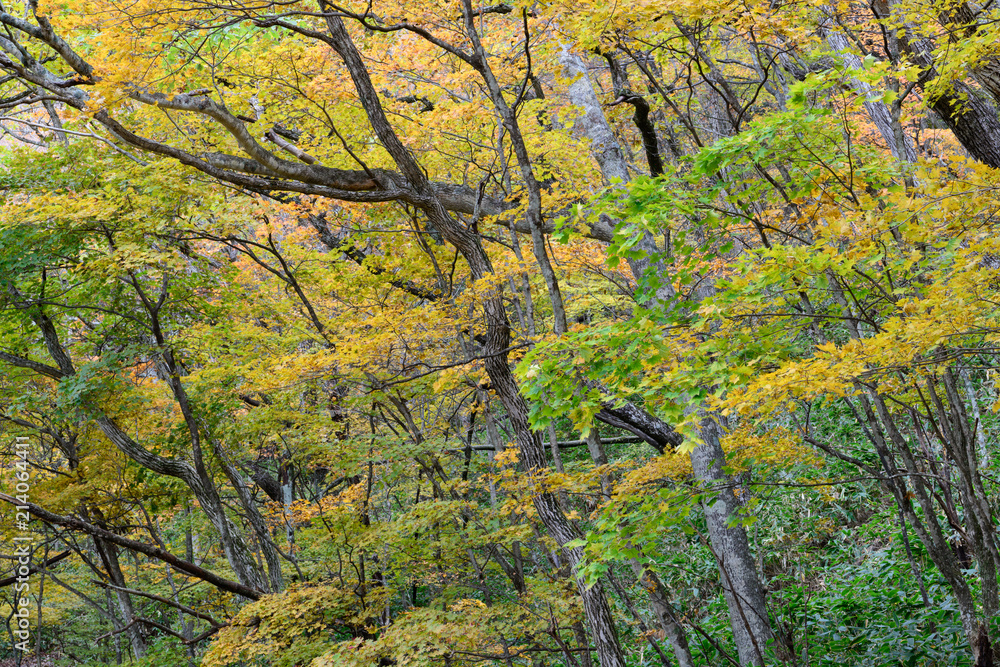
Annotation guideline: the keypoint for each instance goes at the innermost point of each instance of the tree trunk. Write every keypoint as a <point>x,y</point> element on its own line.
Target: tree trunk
<point>660,602</point>
<point>744,593</point>
<point>740,583</point>
<point>108,554</point>
<point>497,337</point>
<point>195,477</point>
<point>887,123</point>
<point>593,125</point>
<point>971,116</point>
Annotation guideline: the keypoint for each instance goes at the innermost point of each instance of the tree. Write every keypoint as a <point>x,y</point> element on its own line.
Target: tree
<point>313,137</point>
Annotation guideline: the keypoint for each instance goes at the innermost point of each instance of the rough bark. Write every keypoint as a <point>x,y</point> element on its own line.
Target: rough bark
<point>257,522</point>
<point>195,477</point>
<point>108,553</point>
<point>882,430</point>
<point>234,546</point>
<point>533,211</point>
<point>883,118</point>
<point>740,583</point>
<point>265,172</point>
<point>972,117</point>
<point>654,431</point>
<point>974,121</point>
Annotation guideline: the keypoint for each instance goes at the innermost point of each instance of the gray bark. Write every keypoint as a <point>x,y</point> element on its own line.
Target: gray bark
<point>885,120</point>
<point>533,213</point>
<point>257,522</point>
<point>593,125</point>
<point>133,545</point>
<point>977,425</point>
<point>740,583</point>
<point>237,551</point>
<point>928,528</point>
<point>108,554</point>
<point>195,477</point>
<point>659,600</point>
<point>973,118</point>
<point>744,593</point>
<point>597,454</point>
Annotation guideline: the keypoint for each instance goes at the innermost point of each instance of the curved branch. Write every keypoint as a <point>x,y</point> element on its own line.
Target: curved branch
<point>153,552</point>
<point>24,362</point>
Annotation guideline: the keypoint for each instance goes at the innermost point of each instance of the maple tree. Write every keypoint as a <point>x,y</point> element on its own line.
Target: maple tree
<point>438,333</point>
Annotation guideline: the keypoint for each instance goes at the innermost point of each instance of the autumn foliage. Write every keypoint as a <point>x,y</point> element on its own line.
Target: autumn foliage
<point>549,333</point>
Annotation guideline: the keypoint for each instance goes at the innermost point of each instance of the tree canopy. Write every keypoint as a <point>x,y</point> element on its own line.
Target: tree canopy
<point>582,334</point>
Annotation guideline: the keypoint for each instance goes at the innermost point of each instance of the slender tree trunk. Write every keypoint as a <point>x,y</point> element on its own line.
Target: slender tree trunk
<point>533,212</point>
<point>744,593</point>
<point>659,600</point>
<point>593,125</point>
<point>740,583</point>
<point>256,519</point>
<point>497,337</point>
<point>597,454</point>
<point>195,477</point>
<point>883,431</point>
<point>886,122</point>
<point>108,554</point>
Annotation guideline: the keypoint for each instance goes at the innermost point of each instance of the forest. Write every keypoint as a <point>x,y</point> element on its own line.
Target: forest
<point>370,333</point>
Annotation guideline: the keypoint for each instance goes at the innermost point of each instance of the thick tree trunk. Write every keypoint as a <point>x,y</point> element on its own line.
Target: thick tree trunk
<point>972,117</point>
<point>592,123</point>
<point>974,120</point>
<point>986,68</point>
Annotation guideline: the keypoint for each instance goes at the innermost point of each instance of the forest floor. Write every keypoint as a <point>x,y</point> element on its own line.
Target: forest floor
<point>45,660</point>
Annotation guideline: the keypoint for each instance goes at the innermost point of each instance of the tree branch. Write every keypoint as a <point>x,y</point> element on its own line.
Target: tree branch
<point>153,552</point>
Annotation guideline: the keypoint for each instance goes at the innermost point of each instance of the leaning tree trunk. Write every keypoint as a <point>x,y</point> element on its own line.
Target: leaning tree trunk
<point>881,115</point>
<point>503,383</point>
<point>195,477</point>
<point>972,117</point>
<point>108,554</point>
<point>659,600</point>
